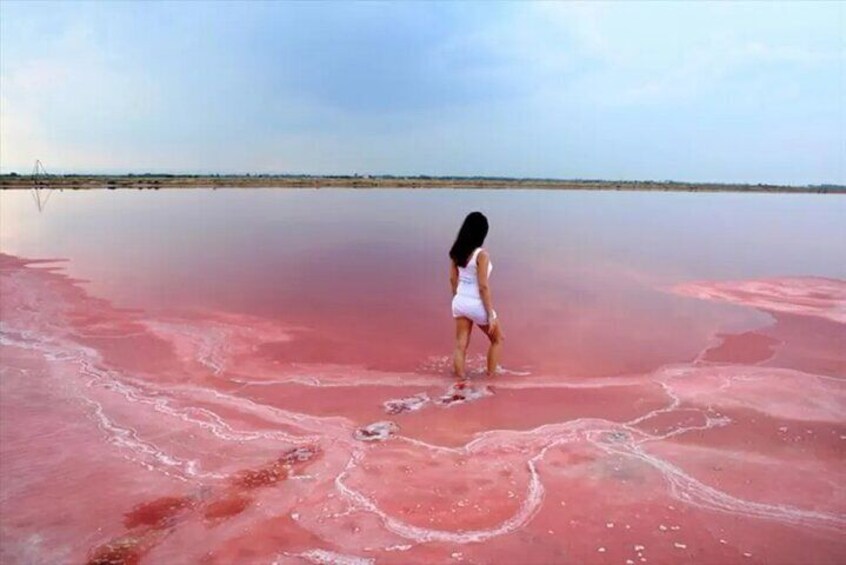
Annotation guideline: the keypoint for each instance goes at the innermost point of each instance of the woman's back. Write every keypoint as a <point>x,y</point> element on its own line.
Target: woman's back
<point>468,278</point>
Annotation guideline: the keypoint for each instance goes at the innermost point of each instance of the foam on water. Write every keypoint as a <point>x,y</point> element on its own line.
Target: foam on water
<point>803,296</point>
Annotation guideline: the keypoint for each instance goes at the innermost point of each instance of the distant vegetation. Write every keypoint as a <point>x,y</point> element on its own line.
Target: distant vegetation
<point>158,180</point>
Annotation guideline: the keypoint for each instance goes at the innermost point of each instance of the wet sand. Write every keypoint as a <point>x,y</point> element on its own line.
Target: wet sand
<point>181,437</point>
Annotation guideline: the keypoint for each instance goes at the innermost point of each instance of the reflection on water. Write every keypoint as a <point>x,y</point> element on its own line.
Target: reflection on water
<point>366,271</point>
<point>41,195</point>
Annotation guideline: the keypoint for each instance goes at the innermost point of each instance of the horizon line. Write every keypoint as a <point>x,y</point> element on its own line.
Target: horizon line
<point>419,176</point>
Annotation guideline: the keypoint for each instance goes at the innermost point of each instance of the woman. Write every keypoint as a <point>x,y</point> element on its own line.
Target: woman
<point>471,293</point>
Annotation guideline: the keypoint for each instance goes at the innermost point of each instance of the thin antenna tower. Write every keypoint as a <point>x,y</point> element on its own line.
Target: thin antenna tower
<point>39,183</point>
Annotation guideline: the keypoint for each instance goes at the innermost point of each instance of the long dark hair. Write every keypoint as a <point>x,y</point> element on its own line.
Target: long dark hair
<point>471,235</point>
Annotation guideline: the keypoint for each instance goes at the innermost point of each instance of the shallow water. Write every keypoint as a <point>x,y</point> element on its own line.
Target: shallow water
<point>672,386</point>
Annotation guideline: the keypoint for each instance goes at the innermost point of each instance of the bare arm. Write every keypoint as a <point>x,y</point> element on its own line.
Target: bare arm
<point>484,286</point>
<point>453,277</point>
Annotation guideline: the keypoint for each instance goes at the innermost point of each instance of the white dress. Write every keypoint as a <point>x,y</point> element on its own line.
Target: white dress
<point>467,302</point>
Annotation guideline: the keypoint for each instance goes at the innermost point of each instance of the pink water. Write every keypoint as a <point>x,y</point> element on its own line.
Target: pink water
<point>263,376</point>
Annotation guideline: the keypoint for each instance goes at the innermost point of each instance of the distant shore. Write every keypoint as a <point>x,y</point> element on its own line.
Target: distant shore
<point>153,182</point>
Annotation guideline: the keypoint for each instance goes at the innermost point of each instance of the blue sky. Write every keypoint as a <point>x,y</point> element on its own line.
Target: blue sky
<point>733,92</point>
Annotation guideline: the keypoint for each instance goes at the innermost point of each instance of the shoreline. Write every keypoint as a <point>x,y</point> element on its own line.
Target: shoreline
<point>154,182</point>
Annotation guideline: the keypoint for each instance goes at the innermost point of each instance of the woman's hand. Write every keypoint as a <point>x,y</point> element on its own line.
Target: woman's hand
<point>493,321</point>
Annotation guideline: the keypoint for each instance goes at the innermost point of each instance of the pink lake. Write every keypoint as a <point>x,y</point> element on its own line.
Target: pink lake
<point>262,376</point>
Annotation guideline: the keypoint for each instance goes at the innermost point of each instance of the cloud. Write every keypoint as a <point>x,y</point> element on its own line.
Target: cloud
<point>705,70</point>
<point>619,90</point>
<point>63,103</point>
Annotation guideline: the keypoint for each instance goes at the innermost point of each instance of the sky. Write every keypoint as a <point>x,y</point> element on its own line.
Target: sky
<point>692,91</point>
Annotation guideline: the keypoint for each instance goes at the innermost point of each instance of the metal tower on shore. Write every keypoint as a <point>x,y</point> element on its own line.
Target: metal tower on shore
<point>39,183</point>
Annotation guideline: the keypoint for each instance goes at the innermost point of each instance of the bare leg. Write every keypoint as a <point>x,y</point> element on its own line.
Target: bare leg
<point>496,338</point>
<point>463,327</point>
